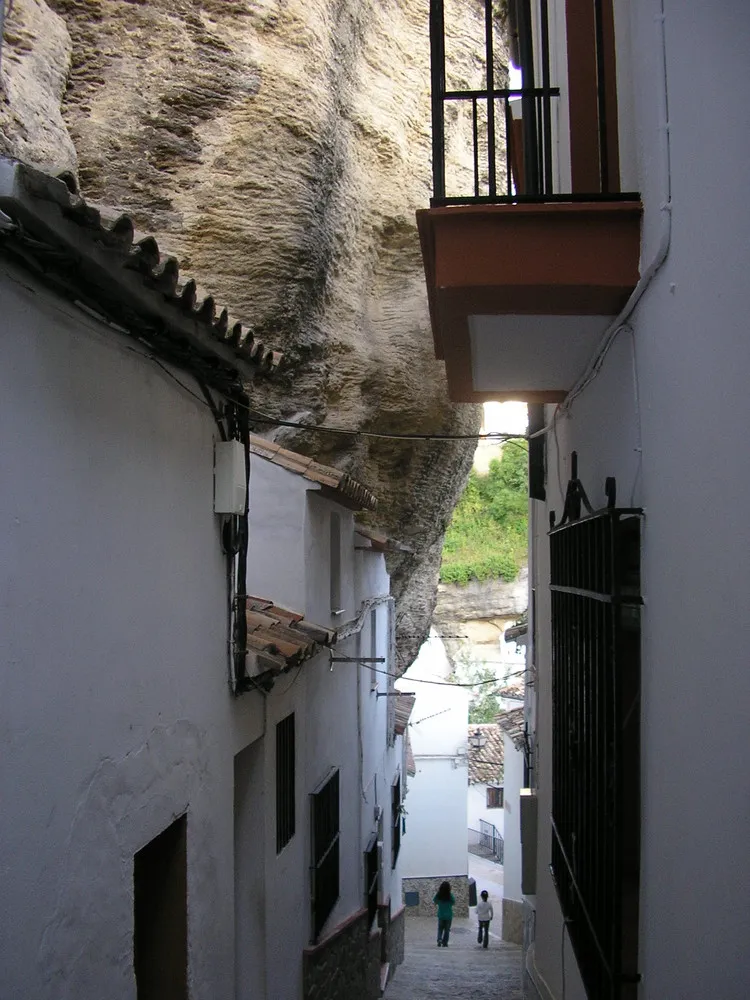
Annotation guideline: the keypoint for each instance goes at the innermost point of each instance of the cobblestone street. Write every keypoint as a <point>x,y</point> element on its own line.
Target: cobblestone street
<point>462,971</point>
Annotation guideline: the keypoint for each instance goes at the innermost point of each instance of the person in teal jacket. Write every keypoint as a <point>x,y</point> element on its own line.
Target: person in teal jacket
<point>445,903</point>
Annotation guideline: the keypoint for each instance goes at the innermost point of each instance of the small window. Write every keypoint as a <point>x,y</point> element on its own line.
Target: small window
<point>324,825</point>
<point>495,797</point>
<point>335,559</point>
<point>285,782</point>
<point>374,673</point>
<point>395,821</point>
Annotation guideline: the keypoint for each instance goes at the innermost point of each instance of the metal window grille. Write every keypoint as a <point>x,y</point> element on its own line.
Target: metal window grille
<point>395,821</point>
<point>595,584</point>
<point>324,828</point>
<point>372,875</point>
<point>285,817</point>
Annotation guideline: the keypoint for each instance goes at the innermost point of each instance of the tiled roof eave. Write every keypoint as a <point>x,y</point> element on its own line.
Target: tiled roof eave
<point>52,230</point>
<point>337,485</point>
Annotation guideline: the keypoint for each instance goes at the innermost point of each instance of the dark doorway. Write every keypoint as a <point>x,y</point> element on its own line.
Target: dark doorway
<point>160,927</point>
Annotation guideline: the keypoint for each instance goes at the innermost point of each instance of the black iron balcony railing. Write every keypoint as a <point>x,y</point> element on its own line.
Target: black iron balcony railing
<point>536,105</point>
<point>518,146</point>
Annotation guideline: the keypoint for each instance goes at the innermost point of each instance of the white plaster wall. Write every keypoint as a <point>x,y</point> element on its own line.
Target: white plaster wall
<point>115,715</point>
<point>688,361</point>
<point>318,560</point>
<point>511,822</point>
<point>277,510</point>
<point>436,841</point>
<point>339,723</point>
<point>476,805</point>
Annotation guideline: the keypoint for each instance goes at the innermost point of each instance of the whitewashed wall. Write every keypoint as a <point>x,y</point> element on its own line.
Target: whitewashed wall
<point>476,807</point>
<point>115,714</point>
<point>677,389</point>
<point>436,842</point>
<point>339,723</point>
<point>511,823</point>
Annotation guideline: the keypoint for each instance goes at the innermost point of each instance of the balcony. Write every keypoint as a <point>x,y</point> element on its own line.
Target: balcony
<point>523,279</point>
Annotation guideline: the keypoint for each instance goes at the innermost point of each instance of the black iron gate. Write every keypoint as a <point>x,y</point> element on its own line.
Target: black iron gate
<point>595,584</point>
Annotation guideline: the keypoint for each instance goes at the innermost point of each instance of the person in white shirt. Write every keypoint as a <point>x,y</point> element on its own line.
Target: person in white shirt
<point>485,913</point>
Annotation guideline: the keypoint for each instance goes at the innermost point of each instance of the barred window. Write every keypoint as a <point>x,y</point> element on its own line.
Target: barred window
<point>595,584</point>
<point>324,824</point>
<point>285,782</point>
<point>395,821</point>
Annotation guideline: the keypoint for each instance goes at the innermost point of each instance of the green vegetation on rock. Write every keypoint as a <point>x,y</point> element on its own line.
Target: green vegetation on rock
<point>487,536</point>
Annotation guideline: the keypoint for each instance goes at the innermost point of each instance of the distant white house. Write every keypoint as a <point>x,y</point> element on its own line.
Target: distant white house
<point>435,846</point>
<point>485,792</point>
<point>511,726</point>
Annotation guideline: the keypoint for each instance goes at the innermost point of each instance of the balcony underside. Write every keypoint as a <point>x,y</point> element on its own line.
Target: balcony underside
<point>520,294</point>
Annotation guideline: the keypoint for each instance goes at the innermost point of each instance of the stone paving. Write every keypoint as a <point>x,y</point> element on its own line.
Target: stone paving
<point>462,971</point>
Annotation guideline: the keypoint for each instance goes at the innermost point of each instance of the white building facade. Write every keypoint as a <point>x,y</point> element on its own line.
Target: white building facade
<point>169,711</point>
<point>435,848</point>
<point>622,300</point>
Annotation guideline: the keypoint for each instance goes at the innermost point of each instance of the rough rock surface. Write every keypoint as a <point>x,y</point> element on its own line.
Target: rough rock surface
<point>478,601</point>
<point>35,62</point>
<point>479,612</point>
<point>280,148</point>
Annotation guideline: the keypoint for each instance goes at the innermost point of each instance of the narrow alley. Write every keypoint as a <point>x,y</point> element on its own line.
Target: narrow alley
<point>462,971</point>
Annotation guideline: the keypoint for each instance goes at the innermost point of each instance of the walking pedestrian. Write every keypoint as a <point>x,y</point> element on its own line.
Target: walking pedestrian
<point>485,913</point>
<point>445,903</point>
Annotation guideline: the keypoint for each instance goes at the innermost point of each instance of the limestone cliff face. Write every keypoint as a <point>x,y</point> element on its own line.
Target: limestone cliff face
<point>279,148</point>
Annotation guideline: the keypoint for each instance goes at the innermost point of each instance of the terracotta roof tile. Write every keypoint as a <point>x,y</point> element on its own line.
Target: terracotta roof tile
<point>278,639</point>
<point>513,724</point>
<point>486,763</point>
<point>347,491</point>
<point>404,703</point>
<point>51,229</point>
<point>380,542</point>
<point>516,691</point>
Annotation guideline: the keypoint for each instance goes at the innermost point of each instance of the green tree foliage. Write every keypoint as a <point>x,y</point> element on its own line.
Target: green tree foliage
<point>487,536</point>
<point>483,702</point>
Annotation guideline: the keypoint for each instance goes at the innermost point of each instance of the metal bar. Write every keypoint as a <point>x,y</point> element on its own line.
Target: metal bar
<point>490,71</point>
<point>501,92</point>
<point>475,133</point>
<point>535,199</point>
<point>508,140</point>
<point>601,96</point>
<point>546,106</point>
<point>584,909</point>
<point>357,659</point>
<point>437,69</point>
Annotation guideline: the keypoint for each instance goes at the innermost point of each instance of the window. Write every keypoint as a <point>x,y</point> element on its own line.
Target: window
<point>335,560</point>
<point>372,874</point>
<point>324,823</point>
<point>595,584</point>
<point>285,784</point>
<point>160,916</point>
<point>395,821</point>
<point>495,797</point>
<point>374,674</point>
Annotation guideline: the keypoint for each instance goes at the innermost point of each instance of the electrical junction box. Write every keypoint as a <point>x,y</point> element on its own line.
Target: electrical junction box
<point>230,482</point>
